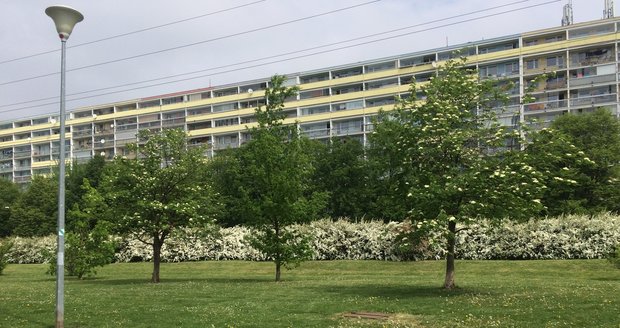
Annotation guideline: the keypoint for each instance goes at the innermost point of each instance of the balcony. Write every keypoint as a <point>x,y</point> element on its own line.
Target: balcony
<point>593,100</point>
<point>316,133</point>
<point>591,80</point>
<point>591,60</point>
<point>22,154</point>
<point>546,105</point>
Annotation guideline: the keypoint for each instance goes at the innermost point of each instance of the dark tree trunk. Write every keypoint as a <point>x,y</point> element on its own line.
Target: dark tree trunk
<point>278,270</point>
<point>157,244</point>
<point>449,282</point>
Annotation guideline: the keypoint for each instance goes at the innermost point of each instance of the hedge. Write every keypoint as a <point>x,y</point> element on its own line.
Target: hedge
<point>566,237</point>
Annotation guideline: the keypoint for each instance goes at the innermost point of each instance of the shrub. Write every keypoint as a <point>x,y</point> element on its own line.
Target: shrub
<point>5,247</point>
<point>86,250</point>
<point>566,237</point>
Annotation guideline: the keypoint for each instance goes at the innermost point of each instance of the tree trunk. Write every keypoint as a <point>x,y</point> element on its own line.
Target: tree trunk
<point>449,282</point>
<point>156,259</point>
<point>278,265</point>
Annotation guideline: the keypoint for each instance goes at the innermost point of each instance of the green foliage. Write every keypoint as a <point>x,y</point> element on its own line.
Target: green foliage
<point>614,257</point>
<point>274,190</point>
<point>86,249</point>
<point>597,135</point>
<point>76,173</point>
<point>163,188</point>
<point>9,193</point>
<point>343,172</point>
<point>563,166</point>
<point>35,211</point>
<point>88,243</point>
<point>5,248</point>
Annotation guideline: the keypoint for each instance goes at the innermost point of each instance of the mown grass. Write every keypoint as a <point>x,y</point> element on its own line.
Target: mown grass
<point>581,293</point>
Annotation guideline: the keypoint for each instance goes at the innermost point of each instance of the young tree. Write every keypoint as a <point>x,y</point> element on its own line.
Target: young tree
<point>162,189</point>
<point>452,160</point>
<point>273,187</point>
<point>9,193</point>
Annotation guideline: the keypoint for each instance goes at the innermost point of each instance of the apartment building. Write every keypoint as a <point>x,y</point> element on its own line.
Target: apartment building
<point>337,101</point>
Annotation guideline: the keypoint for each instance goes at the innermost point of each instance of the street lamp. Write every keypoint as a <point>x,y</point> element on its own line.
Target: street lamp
<point>65,19</point>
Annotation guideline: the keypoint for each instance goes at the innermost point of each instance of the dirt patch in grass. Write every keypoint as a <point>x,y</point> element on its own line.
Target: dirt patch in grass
<point>378,319</point>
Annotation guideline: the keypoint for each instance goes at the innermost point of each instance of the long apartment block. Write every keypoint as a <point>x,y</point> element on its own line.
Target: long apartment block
<point>335,102</point>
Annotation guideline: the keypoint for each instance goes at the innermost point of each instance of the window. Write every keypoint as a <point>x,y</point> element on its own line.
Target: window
<point>531,64</point>
<point>555,61</point>
<point>314,110</point>
<point>226,122</point>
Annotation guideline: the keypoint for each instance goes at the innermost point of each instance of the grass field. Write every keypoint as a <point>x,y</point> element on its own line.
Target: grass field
<point>581,293</point>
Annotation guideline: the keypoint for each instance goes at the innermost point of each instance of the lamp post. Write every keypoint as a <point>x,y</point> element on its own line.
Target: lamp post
<point>65,19</point>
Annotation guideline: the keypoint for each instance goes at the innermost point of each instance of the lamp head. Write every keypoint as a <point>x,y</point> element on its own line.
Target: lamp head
<point>65,19</point>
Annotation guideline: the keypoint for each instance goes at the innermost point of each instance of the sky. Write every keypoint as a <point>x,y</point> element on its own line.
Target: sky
<point>224,42</point>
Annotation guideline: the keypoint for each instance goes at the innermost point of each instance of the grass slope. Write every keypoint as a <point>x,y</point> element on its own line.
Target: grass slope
<point>581,293</point>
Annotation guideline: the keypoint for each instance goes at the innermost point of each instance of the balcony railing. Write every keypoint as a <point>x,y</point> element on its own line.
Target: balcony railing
<point>592,80</point>
<point>23,178</point>
<point>317,133</point>
<point>593,60</point>
<point>347,130</point>
<point>546,105</point>
<point>593,100</point>
<point>4,169</point>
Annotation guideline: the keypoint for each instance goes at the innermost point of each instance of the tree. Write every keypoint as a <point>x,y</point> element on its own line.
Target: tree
<point>35,213</point>
<point>9,193</point>
<point>343,172</point>
<point>273,186</point>
<point>452,158</point>
<point>162,189</point>
<point>565,171</point>
<point>597,135</point>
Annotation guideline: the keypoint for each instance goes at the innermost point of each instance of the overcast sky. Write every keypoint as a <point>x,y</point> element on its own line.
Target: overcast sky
<point>26,30</point>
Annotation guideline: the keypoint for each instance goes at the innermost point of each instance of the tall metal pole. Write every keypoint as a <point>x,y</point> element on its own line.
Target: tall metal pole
<point>65,19</point>
<point>60,263</point>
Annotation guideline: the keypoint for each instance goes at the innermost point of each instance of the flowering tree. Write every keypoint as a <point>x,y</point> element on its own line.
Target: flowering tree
<point>163,188</point>
<point>450,158</point>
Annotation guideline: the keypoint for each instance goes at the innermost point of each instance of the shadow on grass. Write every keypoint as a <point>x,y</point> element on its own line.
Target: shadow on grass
<point>164,281</point>
<point>400,292</point>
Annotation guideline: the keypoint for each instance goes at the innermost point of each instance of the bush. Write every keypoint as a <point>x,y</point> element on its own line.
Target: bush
<point>5,247</point>
<point>566,237</point>
<point>86,250</point>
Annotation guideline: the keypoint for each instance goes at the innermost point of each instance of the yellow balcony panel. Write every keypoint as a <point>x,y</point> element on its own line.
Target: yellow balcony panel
<point>44,164</point>
<point>230,113</point>
<point>32,140</point>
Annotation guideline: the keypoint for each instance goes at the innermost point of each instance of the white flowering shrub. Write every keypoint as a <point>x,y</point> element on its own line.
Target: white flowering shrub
<point>32,250</point>
<point>566,237</point>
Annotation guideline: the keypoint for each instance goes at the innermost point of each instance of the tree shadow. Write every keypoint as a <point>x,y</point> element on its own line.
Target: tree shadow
<point>400,292</point>
<point>164,281</point>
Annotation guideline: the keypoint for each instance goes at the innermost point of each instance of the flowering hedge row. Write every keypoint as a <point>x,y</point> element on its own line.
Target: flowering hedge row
<point>568,237</point>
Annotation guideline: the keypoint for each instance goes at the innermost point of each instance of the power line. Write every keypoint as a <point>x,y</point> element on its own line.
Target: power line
<point>269,57</point>
<point>283,60</point>
<point>132,32</point>
<point>272,56</point>
<point>193,43</point>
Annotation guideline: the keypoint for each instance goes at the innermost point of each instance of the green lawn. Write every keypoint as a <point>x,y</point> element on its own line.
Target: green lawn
<point>583,293</point>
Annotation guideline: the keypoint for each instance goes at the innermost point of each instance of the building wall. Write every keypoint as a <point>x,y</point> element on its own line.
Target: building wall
<point>336,102</point>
